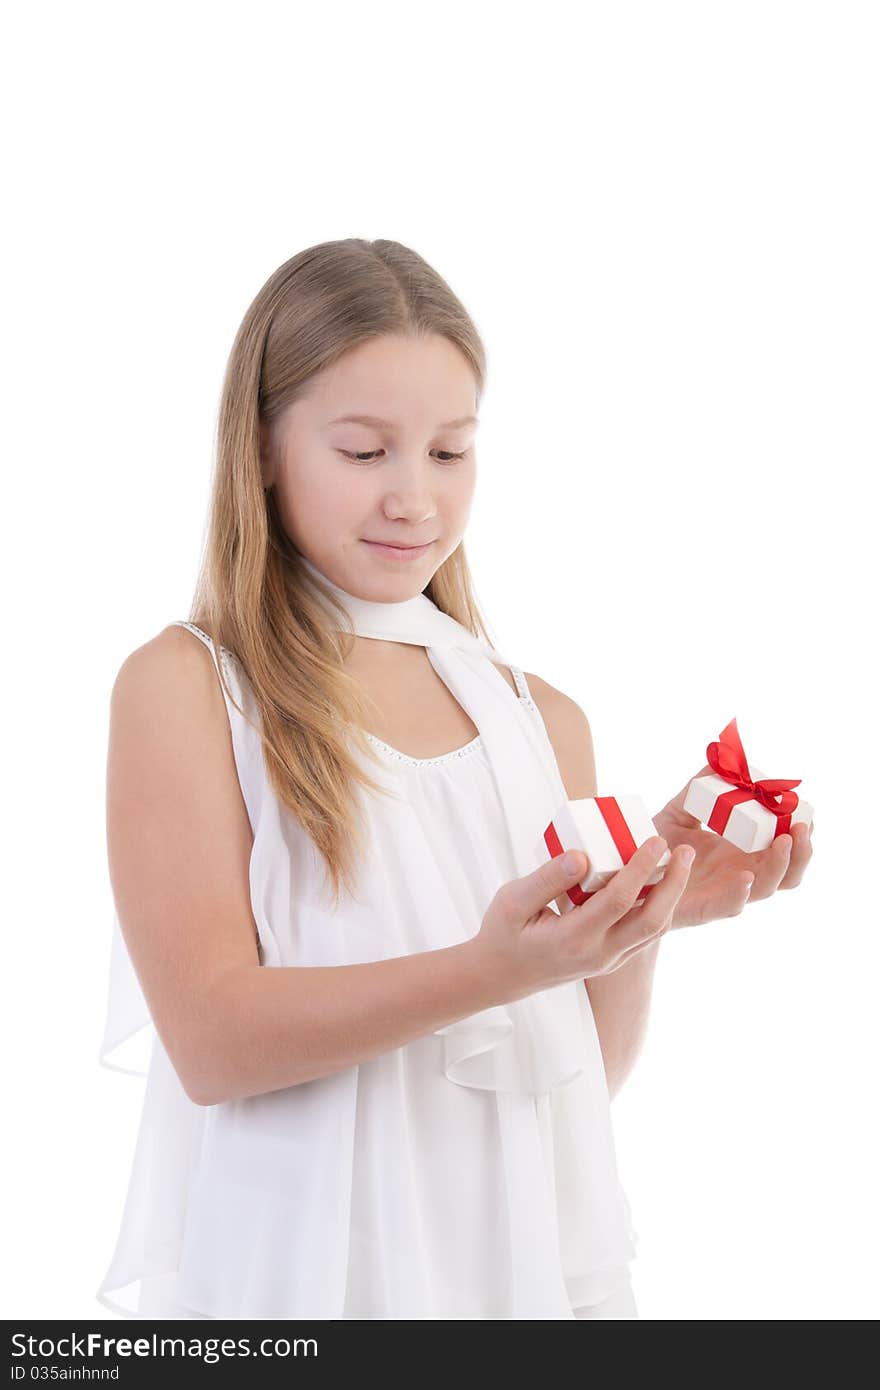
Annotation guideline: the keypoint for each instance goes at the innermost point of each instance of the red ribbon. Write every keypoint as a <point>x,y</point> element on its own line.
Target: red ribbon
<point>728,760</point>
<point>620,834</point>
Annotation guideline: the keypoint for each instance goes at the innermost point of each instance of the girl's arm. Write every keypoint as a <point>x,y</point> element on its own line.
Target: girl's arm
<point>620,1001</point>
<point>279,1027</point>
<point>179,844</point>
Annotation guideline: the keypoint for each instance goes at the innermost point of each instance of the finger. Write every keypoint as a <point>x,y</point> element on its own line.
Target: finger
<point>619,894</point>
<point>719,899</point>
<point>549,881</point>
<point>801,854</point>
<point>651,919</point>
<point>773,869</point>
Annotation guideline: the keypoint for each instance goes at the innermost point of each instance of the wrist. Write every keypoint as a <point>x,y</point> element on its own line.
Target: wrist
<point>491,971</point>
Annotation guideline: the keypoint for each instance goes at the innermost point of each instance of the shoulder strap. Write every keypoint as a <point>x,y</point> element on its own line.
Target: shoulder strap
<point>226,660</point>
<point>180,622</point>
<point>547,750</point>
<point>203,636</point>
<point>244,721</point>
<point>520,680</point>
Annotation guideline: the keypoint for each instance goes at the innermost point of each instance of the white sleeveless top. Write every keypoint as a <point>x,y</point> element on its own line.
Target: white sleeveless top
<point>411,1185</point>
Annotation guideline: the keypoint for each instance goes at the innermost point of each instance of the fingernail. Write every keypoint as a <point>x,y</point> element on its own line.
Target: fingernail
<point>571,863</point>
<point>687,855</point>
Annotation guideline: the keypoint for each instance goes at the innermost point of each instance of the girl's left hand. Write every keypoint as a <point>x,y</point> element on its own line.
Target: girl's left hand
<point>723,878</point>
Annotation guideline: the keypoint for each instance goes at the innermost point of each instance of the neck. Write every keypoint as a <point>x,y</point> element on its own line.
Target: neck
<point>414,620</point>
<point>389,609</point>
<point>417,620</point>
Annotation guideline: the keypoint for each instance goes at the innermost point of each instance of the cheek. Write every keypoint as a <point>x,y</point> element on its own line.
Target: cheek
<point>317,488</point>
<point>461,490</point>
<point>314,499</point>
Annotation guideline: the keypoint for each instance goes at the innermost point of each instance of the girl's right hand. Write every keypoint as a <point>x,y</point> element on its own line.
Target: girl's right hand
<point>532,947</point>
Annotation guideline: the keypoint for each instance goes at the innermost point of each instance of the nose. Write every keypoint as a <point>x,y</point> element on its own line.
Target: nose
<point>408,497</point>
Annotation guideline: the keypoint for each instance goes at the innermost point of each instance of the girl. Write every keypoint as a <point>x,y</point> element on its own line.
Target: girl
<point>329,771</point>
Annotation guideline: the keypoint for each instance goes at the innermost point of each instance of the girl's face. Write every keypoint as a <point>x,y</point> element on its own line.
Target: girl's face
<point>404,476</point>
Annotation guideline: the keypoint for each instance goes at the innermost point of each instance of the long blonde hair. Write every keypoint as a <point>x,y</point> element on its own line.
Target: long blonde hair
<point>253,595</point>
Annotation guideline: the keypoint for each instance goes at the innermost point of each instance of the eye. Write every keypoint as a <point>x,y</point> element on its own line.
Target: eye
<point>365,456</point>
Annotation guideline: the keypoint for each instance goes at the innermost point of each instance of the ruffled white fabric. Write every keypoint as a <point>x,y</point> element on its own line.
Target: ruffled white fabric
<point>382,1190</point>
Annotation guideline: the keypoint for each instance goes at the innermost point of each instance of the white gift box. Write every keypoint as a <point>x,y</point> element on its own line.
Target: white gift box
<point>582,825</point>
<point>750,825</point>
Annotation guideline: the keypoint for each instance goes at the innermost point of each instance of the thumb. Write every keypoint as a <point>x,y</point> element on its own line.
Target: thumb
<point>552,878</point>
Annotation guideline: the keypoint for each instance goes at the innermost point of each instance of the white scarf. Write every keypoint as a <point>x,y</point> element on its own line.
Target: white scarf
<point>538,1042</point>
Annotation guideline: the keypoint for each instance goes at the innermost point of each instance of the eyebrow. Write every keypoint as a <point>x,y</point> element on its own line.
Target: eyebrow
<point>387,424</point>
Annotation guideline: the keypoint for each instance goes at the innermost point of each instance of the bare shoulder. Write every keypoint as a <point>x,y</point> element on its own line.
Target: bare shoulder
<point>167,700</point>
<point>174,658</point>
<point>178,837</point>
<point>568,729</point>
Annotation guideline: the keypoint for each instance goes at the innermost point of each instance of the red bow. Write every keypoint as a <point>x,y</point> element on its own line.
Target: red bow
<point>728,760</point>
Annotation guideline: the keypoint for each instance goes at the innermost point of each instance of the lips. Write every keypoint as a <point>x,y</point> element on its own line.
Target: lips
<point>398,545</point>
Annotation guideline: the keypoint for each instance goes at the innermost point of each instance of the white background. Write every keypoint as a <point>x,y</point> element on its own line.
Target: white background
<point>664,220</point>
